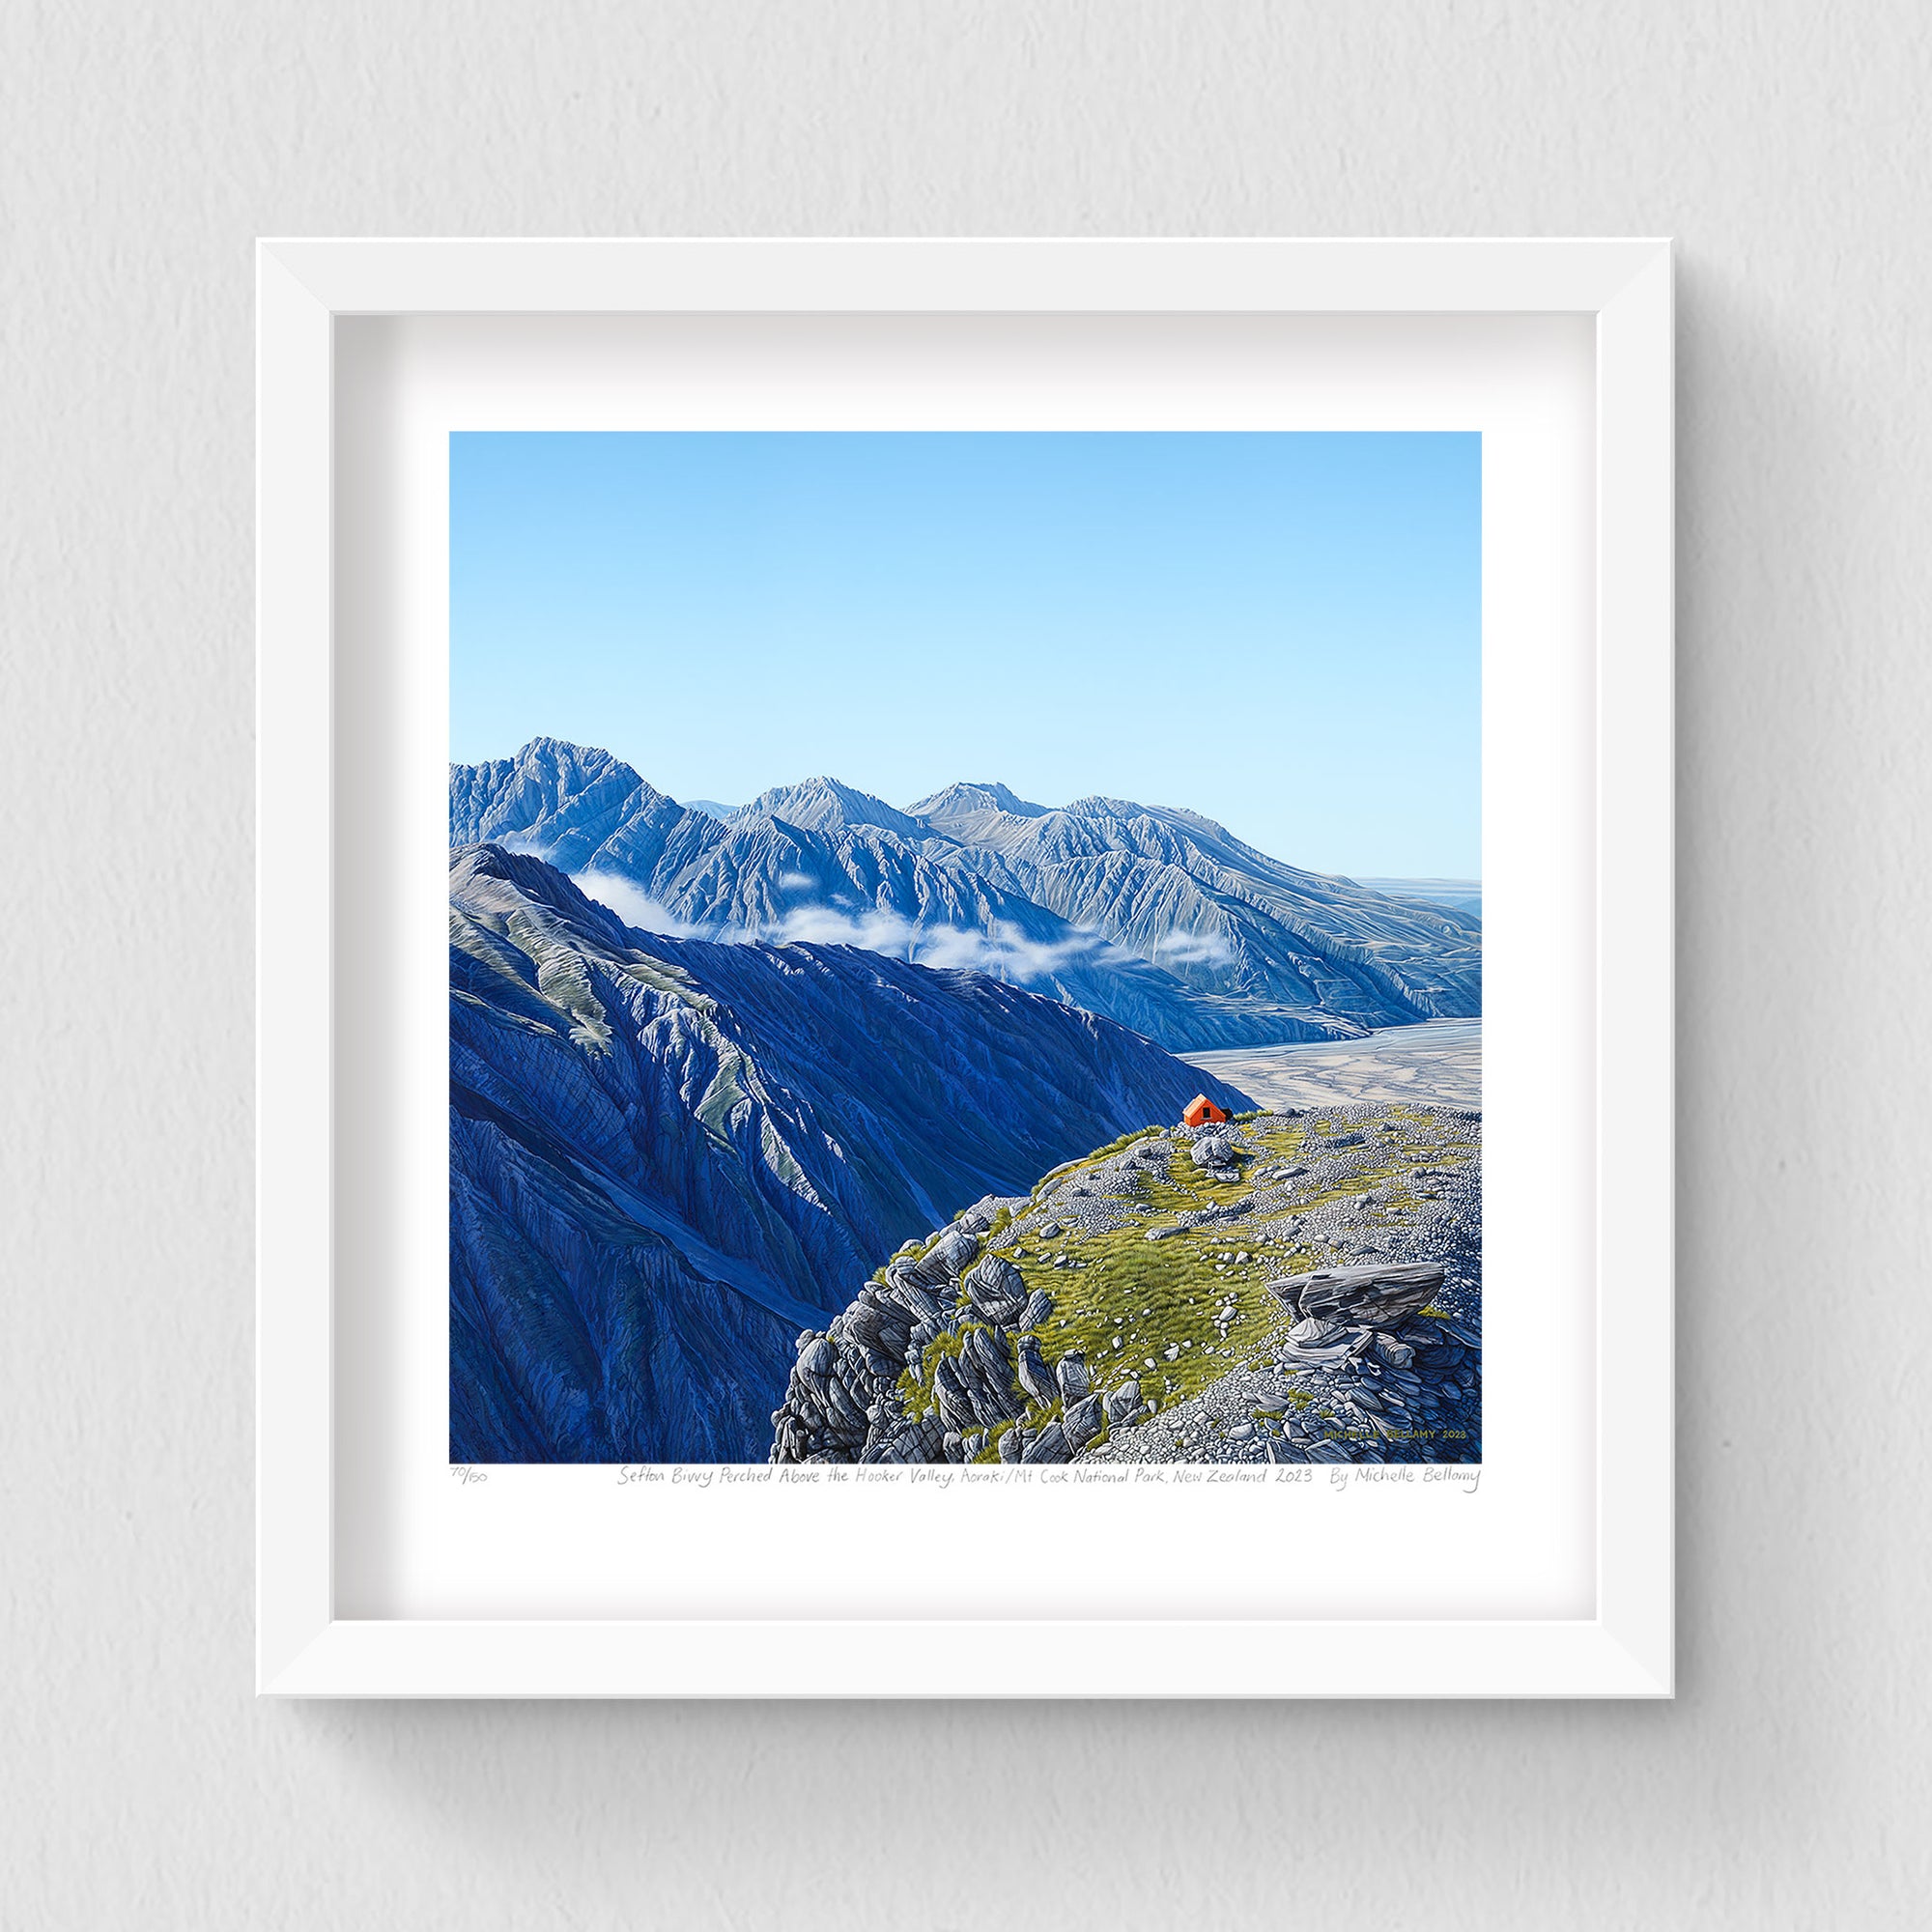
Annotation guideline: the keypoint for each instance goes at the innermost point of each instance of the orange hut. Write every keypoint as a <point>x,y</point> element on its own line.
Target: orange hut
<point>1200,1110</point>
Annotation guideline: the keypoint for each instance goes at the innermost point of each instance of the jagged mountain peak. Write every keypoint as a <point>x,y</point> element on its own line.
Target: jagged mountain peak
<point>1124,810</point>
<point>965,798</point>
<point>572,804</point>
<point>826,805</point>
<point>544,746</point>
<point>574,767</point>
<point>562,769</point>
<point>1152,915</point>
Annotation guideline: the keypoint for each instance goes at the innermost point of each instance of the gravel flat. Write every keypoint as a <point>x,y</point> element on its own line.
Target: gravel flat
<point>1438,1064</point>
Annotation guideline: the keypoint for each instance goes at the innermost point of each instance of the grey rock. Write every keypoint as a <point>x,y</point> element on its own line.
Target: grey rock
<point>870,1324</point>
<point>1339,1345</point>
<point>1012,1445</point>
<point>1082,1422</point>
<point>1216,1152</point>
<point>845,1405</point>
<point>956,1404</point>
<point>996,1287</point>
<point>1313,1332</point>
<point>918,1302</point>
<point>1038,1308</point>
<point>1036,1378</point>
<point>1384,1294</point>
<point>989,1397</point>
<point>1073,1378</point>
<point>1048,1446</point>
<point>1125,1401</point>
<point>817,1363</point>
<point>947,1256</point>
<point>989,1358</point>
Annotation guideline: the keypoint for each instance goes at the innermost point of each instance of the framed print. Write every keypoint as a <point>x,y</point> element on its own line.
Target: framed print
<point>964,968</point>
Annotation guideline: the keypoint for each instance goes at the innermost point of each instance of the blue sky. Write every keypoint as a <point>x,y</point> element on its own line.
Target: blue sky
<point>1282,630</point>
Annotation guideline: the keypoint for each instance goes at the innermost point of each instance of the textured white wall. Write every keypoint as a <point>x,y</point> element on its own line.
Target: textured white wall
<point>142,149</point>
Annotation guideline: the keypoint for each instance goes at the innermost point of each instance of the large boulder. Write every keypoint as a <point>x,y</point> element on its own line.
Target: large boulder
<point>946,1257</point>
<point>957,1408</point>
<point>1375,1296</point>
<point>1215,1152</point>
<point>1036,1378</point>
<point>879,1324</point>
<point>996,1289</point>
<point>988,1358</point>
<point>816,1362</point>
<point>1082,1422</point>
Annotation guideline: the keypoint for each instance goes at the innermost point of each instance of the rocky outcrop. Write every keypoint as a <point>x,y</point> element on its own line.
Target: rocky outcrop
<point>1373,1297</point>
<point>941,1361</point>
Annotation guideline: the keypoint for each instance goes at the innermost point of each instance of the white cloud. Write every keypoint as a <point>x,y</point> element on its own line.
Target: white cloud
<point>635,908</point>
<point>1195,948</point>
<point>1002,951</point>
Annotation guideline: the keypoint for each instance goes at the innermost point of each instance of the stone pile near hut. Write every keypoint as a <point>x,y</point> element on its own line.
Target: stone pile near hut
<point>1386,1368</point>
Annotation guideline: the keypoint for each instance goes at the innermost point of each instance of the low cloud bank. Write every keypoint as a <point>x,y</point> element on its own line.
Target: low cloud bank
<point>1195,948</point>
<point>1002,952</point>
<point>638,909</point>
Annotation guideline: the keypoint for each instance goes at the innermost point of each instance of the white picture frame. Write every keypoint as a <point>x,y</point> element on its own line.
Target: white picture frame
<point>304,1648</point>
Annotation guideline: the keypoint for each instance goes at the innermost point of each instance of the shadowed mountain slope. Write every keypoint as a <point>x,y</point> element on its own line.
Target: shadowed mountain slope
<point>669,1156</point>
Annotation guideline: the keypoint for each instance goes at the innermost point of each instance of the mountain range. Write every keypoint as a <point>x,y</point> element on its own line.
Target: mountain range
<point>669,1156</point>
<point>1151,916</point>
